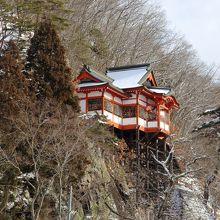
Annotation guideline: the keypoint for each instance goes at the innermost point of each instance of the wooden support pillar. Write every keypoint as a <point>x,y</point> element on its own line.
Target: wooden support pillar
<point>113,130</point>
<point>165,148</point>
<point>122,134</point>
<point>138,152</point>
<point>148,165</point>
<point>157,166</point>
<point>146,157</point>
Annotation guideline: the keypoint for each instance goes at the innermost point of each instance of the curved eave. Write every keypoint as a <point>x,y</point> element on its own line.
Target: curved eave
<point>106,86</point>
<point>92,88</point>
<point>143,89</point>
<point>117,91</point>
<point>172,102</point>
<point>85,74</point>
<point>132,89</point>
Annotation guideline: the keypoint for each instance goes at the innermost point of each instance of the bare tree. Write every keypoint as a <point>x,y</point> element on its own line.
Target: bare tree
<point>53,144</point>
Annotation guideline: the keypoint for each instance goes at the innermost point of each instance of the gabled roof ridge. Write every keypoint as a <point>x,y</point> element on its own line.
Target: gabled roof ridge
<point>101,75</point>
<point>127,67</point>
<point>141,81</point>
<point>96,74</point>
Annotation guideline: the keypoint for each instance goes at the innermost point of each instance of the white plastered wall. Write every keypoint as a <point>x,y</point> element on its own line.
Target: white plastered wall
<point>129,121</point>
<point>82,104</point>
<point>95,93</point>
<point>108,95</point>
<point>152,124</point>
<point>142,122</point>
<point>81,95</point>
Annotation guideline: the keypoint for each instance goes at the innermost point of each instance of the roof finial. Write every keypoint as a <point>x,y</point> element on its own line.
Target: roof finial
<point>86,67</point>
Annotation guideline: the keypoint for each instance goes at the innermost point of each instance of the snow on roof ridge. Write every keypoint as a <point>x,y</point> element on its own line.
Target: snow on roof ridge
<point>101,75</point>
<point>121,68</point>
<point>92,84</point>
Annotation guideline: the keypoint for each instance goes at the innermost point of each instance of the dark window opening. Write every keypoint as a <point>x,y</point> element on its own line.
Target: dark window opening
<point>148,83</point>
<point>94,104</point>
<point>129,111</point>
<point>86,81</point>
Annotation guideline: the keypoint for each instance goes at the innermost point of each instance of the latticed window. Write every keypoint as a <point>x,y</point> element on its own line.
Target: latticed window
<point>118,110</point>
<point>152,114</point>
<point>142,113</point>
<point>94,104</point>
<point>108,106</point>
<point>129,111</point>
<point>151,102</point>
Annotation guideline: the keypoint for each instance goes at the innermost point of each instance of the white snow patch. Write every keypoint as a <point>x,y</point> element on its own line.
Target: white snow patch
<point>160,91</point>
<point>127,78</point>
<point>10,205</point>
<point>27,176</point>
<point>192,193</point>
<point>209,110</point>
<point>101,122</point>
<point>86,116</point>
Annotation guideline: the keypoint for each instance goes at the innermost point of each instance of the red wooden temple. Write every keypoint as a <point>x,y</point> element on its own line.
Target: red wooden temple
<point>128,96</point>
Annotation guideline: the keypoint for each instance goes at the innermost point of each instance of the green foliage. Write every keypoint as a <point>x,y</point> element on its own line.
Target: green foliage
<point>46,62</point>
<point>20,17</point>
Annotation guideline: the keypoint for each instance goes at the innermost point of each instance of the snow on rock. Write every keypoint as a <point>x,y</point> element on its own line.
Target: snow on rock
<point>192,195</point>
<point>26,176</point>
<point>10,205</point>
<point>2,72</point>
<point>102,122</point>
<point>211,111</point>
<point>88,116</point>
<point>209,123</point>
<point>177,204</point>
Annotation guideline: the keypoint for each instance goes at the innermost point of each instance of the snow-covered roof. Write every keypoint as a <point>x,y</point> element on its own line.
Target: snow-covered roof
<point>127,77</point>
<point>90,84</point>
<point>158,90</point>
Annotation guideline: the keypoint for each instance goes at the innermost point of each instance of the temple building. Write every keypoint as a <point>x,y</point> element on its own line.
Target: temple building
<point>128,96</point>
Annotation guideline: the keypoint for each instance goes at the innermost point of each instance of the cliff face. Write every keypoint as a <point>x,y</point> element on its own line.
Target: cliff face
<point>107,189</point>
<point>110,193</point>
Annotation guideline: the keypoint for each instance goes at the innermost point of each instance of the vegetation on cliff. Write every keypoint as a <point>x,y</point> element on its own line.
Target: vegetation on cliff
<point>45,147</point>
